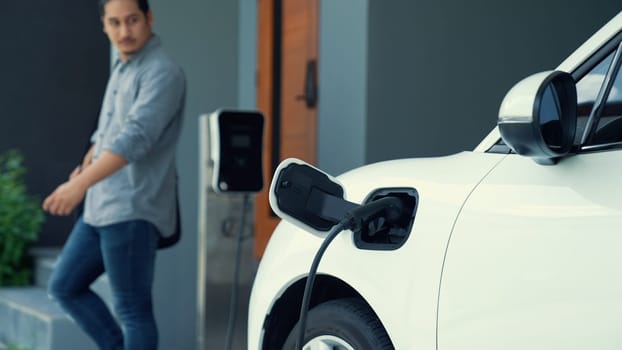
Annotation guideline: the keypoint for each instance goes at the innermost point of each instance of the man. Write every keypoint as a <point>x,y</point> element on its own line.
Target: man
<point>127,180</point>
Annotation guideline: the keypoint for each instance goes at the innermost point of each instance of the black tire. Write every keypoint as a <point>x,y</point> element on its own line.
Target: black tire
<point>349,321</point>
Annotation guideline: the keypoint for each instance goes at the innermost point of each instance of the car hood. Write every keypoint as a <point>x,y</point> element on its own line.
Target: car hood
<point>447,176</point>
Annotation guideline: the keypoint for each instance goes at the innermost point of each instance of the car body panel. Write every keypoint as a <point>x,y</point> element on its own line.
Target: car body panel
<point>443,185</point>
<point>504,253</point>
<point>535,253</point>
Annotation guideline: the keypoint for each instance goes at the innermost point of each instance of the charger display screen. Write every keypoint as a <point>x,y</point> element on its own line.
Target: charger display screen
<point>240,160</point>
<point>240,140</point>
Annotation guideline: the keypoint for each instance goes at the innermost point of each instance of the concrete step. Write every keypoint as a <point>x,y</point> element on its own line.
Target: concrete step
<point>32,321</point>
<point>45,260</point>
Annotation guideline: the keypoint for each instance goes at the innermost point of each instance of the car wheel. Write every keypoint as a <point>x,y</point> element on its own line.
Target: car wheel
<point>342,324</point>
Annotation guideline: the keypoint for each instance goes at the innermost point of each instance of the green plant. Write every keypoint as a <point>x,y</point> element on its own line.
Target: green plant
<point>21,217</point>
<point>15,347</point>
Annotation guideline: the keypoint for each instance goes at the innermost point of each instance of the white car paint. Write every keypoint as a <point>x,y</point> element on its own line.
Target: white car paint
<point>442,183</point>
<point>533,262</point>
<point>504,253</point>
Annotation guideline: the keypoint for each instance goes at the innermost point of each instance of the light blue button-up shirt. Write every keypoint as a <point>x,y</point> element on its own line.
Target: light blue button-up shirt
<point>140,120</point>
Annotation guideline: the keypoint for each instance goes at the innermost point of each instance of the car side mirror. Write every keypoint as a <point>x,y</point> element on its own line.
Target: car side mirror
<point>307,197</point>
<point>538,116</point>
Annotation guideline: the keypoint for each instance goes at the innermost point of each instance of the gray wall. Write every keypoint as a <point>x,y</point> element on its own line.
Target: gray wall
<point>438,70</point>
<point>342,116</point>
<point>247,57</point>
<point>203,37</point>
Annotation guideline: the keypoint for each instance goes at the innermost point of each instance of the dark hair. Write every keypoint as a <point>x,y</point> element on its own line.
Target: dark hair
<point>143,5</point>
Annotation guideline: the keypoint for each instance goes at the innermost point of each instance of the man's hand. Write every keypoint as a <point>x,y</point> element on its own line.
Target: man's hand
<point>65,198</point>
<point>68,195</point>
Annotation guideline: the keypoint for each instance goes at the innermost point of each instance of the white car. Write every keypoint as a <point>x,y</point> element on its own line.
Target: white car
<point>514,245</point>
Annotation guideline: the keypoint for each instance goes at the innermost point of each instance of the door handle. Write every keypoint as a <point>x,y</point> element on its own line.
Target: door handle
<point>310,88</point>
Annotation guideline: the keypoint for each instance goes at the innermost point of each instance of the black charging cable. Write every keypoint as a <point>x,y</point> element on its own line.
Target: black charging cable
<point>354,220</point>
<point>306,298</point>
<point>233,303</point>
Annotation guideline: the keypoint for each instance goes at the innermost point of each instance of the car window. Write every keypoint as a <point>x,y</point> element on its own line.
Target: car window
<point>609,128</point>
<point>587,90</point>
<point>610,125</point>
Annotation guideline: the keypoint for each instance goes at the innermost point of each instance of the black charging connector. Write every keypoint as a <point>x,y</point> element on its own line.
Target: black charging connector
<point>386,208</point>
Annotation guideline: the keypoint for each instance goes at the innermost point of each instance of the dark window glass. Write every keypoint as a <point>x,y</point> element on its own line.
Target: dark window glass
<point>609,128</point>
<point>610,125</point>
<point>587,91</point>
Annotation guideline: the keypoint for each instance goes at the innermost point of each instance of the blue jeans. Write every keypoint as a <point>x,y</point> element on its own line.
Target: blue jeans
<point>126,252</point>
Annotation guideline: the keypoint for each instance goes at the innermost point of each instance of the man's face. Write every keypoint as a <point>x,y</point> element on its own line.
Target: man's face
<point>127,27</point>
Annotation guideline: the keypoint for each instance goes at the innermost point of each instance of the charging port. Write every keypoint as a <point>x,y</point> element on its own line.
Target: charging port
<point>382,233</point>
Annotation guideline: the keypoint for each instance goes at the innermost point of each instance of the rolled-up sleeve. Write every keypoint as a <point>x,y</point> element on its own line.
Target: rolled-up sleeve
<point>94,136</point>
<point>158,101</point>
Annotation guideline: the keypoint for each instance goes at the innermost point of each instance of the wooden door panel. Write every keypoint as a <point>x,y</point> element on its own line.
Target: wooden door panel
<point>291,126</point>
<point>298,121</point>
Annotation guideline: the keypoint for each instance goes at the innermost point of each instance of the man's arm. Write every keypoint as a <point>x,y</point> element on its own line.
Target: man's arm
<point>69,194</point>
<point>159,101</point>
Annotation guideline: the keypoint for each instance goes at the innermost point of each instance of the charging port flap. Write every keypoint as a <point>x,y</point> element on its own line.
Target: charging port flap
<point>314,201</point>
<point>388,231</point>
<point>301,194</point>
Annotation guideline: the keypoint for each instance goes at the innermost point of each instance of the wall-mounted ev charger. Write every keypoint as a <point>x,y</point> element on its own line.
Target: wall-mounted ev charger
<point>236,143</point>
<point>231,146</point>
